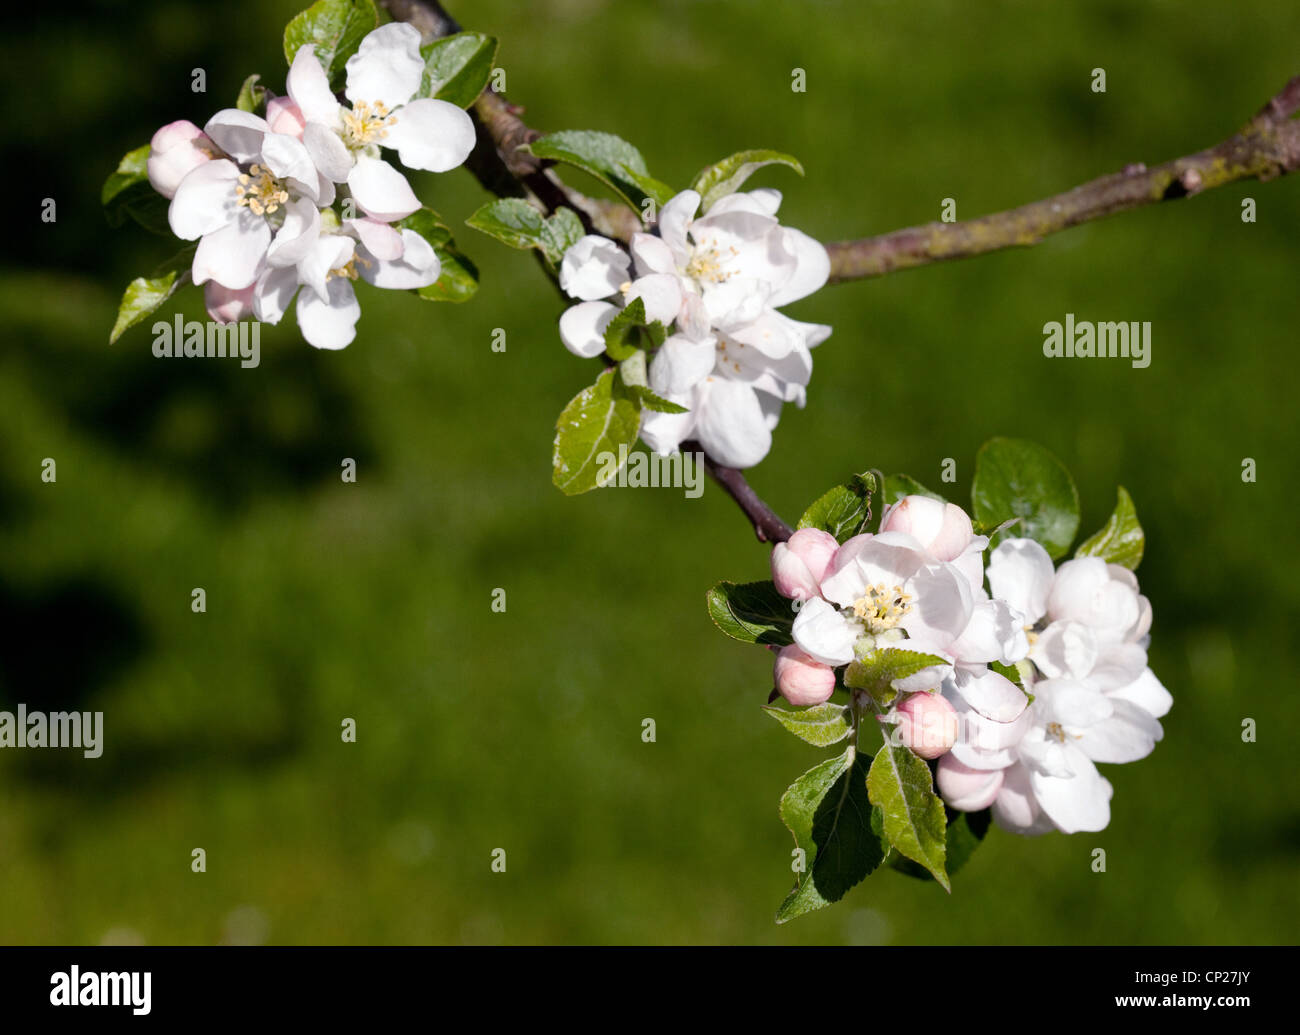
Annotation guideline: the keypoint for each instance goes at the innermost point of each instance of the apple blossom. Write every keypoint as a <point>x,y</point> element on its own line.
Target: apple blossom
<point>175,150</point>
<point>799,564</point>
<point>344,140</point>
<point>926,723</point>
<point>801,679</point>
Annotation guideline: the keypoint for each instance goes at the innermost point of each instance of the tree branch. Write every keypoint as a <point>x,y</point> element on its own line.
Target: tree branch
<point>768,526</point>
<point>1266,147</point>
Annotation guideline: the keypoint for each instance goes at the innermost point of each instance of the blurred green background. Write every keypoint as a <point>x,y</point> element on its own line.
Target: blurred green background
<point>522,730</point>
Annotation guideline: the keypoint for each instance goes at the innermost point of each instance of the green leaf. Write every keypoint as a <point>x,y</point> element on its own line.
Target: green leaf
<point>752,612</point>
<point>1121,540</point>
<point>145,294</point>
<point>877,671</point>
<point>899,485</point>
<point>516,223</point>
<point>127,194</point>
<point>1015,478</point>
<point>609,158</point>
<point>648,400</point>
<point>845,510</point>
<point>589,432</point>
<point>251,96</point>
<point>821,725</point>
<point>912,815</point>
<point>624,326</point>
<point>335,28</point>
<point>456,68</point>
<point>729,175</point>
<point>829,815</point>
<point>458,280</point>
<point>966,832</point>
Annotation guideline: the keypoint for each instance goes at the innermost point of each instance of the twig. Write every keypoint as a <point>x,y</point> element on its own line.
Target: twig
<point>1266,147</point>
<point>768,526</point>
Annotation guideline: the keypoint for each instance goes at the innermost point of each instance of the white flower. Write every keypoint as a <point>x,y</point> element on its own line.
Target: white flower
<point>327,308</point>
<point>257,206</point>
<point>345,140</point>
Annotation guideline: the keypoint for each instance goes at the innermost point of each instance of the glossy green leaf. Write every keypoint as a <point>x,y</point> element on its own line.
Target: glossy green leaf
<point>729,175</point>
<point>1121,540</point>
<point>752,612</point>
<point>456,68</point>
<point>1015,478</point>
<point>912,815</point>
<point>843,511</point>
<point>597,421</point>
<point>335,28</point>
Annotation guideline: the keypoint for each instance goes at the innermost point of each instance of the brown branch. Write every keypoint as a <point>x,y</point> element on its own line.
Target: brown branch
<point>1266,147</point>
<point>768,526</point>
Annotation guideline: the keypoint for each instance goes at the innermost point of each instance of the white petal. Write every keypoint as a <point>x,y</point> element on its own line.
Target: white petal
<point>812,268</point>
<point>665,432</point>
<point>1129,734</point>
<point>822,632</point>
<point>964,788</point>
<point>992,695</point>
<point>328,252</point>
<point>1071,703</point>
<point>273,293</point>
<point>681,364</point>
<point>380,190</point>
<point>941,607</point>
<point>431,134</point>
<point>205,200</point>
<point>328,152</point>
<point>995,632</point>
<point>231,256</point>
<point>582,328</point>
<point>289,159</point>
<point>1077,803</point>
<point>418,267</point>
<point>1015,808</point>
<point>661,293</point>
<point>675,217</point>
<point>309,88</point>
<point>593,267</point>
<point>1021,573</point>
<point>731,424</point>
<point>1146,692</point>
<point>331,322</point>
<point>238,133</point>
<point>1065,649</point>
<point>296,235</point>
<point>652,255</point>
<point>387,67</point>
<point>381,239</point>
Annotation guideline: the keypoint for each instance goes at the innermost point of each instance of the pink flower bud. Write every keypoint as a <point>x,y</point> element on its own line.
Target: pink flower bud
<point>284,116</point>
<point>927,724</point>
<point>226,305</point>
<point>942,528</point>
<point>176,149</point>
<point>967,789</point>
<point>799,564</point>
<point>802,680</point>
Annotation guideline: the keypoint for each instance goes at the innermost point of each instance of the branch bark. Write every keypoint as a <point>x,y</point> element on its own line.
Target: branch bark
<point>1268,146</point>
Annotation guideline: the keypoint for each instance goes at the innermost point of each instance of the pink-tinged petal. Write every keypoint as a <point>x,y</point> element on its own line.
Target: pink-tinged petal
<point>309,88</point>
<point>238,133</point>
<point>330,322</point>
<point>288,159</point>
<point>381,191</point>
<point>1147,693</point>
<point>1085,591</point>
<point>418,266</point>
<point>1117,666</point>
<point>811,271</point>
<point>284,116</point>
<point>995,632</point>
<point>431,134</point>
<point>329,252</point>
<point>1069,702</point>
<point>296,235</point>
<point>1076,803</point>
<point>942,604</point>
<point>966,789</point>
<point>675,217</point>
<point>800,679</point>
<point>1021,573</point>
<point>1015,809</point>
<point>205,200</point>
<point>661,293</point>
<point>1129,734</point>
<point>1064,650</point>
<point>381,239</point>
<point>593,267</point>
<point>651,255</point>
<point>328,152</point>
<point>763,202</point>
<point>800,563</point>
<point>387,67</point>
<point>770,334</point>
<point>732,425</point>
<point>582,328</point>
<point>232,255</point>
<point>681,364</point>
<point>273,292</point>
<point>926,723</point>
<point>225,305</point>
<point>176,150</point>
<point>994,696</point>
<point>824,634</point>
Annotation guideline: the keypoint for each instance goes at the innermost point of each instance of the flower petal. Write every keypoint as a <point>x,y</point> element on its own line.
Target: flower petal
<point>238,133</point>
<point>296,235</point>
<point>231,256</point>
<point>582,328</point>
<point>681,364</point>
<point>205,200</point>
<point>387,67</point>
<point>823,633</point>
<point>380,190</point>
<point>273,293</point>
<point>732,425</point>
<point>417,267</point>
<point>328,152</point>
<point>431,134</point>
<point>309,88</point>
<point>594,267</point>
<point>330,322</point>
<point>1021,573</point>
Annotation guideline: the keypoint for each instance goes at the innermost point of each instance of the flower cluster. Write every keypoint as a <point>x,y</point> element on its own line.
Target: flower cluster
<point>303,201</point>
<point>716,282</point>
<point>1016,690</point>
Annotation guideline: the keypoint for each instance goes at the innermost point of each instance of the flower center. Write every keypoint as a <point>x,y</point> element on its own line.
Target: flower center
<point>259,191</point>
<point>349,269</point>
<point>882,607</point>
<point>706,266</point>
<point>1055,729</point>
<point>366,123</point>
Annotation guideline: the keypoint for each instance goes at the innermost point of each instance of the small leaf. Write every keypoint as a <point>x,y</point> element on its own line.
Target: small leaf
<point>609,158</point>
<point>456,68</point>
<point>966,832</point>
<point>1015,478</point>
<point>899,485</point>
<point>458,280</point>
<point>597,421</point>
<point>251,96</point>
<point>752,612</point>
<point>127,194</point>
<point>829,815</point>
<point>335,28</point>
<point>729,175</point>
<point>559,233</point>
<point>657,403</point>
<point>516,223</point>
<point>143,296</point>
<point>820,725</point>
<point>624,325</point>
<point>912,815</point>
<point>845,510</point>
<point>1121,540</point>
<point>877,672</point>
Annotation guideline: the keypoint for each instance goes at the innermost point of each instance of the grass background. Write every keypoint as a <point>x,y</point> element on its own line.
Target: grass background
<point>522,730</point>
